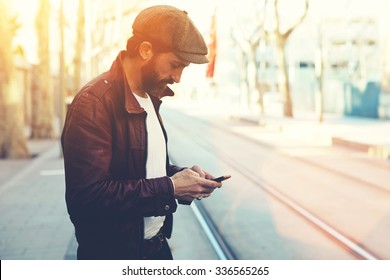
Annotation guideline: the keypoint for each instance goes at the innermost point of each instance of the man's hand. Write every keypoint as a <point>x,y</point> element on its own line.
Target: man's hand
<point>202,173</point>
<point>193,183</point>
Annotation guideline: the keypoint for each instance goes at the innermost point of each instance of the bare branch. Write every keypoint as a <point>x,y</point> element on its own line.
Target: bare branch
<point>277,18</point>
<point>291,29</point>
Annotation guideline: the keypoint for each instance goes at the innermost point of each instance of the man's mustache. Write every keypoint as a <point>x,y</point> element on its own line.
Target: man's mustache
<point>168,81</point>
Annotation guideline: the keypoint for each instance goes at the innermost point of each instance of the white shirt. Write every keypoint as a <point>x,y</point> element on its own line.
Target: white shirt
<point>156,158</point>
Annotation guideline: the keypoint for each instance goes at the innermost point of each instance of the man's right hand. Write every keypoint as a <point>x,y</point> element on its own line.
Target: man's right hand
<point>189,185</point>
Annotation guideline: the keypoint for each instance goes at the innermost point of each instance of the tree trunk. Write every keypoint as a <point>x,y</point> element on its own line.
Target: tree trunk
<point>283,78</point>
<point>42,96</point>
<point>319,71</point>
<point>79,47</point>
<point>244,85</point>
<point>259,83</point>
<point>13,143</point>
<point>281,39</point>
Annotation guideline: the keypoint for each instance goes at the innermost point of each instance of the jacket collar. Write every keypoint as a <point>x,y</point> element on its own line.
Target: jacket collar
<point>131,104</point>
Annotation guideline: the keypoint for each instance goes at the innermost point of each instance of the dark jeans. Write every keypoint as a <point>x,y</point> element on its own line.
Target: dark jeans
<point>96,254</point>
<point>164,253</point>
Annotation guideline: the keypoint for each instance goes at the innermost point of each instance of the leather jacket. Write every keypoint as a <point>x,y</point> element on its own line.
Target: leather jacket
<point>104,144</point>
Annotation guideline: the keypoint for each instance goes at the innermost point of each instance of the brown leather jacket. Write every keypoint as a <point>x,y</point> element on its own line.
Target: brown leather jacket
<point>104,147</point>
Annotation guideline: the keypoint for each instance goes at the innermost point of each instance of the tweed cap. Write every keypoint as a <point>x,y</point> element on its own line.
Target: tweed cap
<point>173,29</point>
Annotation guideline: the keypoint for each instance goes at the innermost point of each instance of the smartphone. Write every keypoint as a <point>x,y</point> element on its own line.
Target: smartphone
<point>221,178</point>
<point>218,179</point>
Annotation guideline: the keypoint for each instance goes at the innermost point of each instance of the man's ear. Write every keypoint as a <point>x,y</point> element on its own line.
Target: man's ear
<point>145,50</point>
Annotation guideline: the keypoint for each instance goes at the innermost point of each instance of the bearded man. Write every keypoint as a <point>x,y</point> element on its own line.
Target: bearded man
<point>121,189</point>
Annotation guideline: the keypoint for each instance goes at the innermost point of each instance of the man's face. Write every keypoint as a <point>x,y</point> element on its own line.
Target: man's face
<point>162,69</point>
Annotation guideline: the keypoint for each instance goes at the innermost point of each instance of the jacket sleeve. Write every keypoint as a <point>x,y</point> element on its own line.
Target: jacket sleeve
<point>91,192</point>
<point>173,169</point>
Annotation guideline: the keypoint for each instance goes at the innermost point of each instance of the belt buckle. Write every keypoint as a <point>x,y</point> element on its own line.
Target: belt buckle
<point>161,238</point>
<point>153,245</point>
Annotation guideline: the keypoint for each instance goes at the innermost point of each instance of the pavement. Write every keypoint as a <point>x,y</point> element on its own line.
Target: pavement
<point>371,136</point>
<point>34,223</point>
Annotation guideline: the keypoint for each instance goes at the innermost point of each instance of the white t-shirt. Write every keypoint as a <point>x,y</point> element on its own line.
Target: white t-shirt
<point>156,158</point>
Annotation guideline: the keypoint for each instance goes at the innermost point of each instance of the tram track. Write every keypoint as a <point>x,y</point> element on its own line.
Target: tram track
<point>365,183</point>
<point>218,243</point>
<point>347,243</point>
<point>220,246</point>
<point>361,182</point>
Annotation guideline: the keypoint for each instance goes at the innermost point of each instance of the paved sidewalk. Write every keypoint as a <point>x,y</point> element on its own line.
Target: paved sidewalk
<point>34,223</point>
<point>366,135</point>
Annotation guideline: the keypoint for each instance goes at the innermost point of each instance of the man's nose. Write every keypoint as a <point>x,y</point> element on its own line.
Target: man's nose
<point>176,75</point>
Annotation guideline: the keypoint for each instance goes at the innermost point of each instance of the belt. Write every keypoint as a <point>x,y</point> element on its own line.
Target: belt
<point>153,245</point>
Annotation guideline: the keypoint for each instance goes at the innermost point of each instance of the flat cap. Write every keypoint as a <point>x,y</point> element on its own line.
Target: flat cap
<point>173,29</point>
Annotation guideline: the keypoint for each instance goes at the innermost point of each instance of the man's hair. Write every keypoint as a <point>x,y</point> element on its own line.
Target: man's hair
<point>134,42</point>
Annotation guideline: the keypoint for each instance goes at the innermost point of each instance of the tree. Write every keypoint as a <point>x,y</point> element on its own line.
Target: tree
<point>249,38</point>
<point>319,71</point>
<point>247,35</point>
<point>80,44</point>
<point>42,122</point>
<point>107,30</point>
<point>13,143</point>
<point>280,38</point>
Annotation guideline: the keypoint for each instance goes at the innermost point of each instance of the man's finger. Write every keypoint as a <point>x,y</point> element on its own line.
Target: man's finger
<point>199,170</point>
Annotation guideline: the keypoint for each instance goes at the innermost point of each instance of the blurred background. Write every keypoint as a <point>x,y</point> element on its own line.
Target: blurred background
<point>273,58</point>
<point>303,84</point>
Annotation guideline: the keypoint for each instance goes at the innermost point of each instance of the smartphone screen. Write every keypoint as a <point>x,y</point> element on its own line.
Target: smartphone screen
<point>222,178</point>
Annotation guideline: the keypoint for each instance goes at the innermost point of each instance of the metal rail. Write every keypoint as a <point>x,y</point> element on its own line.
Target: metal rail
<point>219,244</point>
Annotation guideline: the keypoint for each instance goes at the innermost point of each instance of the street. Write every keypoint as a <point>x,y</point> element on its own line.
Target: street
<point>290,199</point>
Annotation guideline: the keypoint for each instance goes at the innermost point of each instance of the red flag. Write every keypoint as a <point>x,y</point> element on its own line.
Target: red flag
<point>212,46</point>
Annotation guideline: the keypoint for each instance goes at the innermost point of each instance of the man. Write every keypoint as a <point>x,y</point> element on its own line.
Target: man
<point>121,189</point>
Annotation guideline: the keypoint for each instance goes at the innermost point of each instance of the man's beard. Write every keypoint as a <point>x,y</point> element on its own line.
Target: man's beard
<point>151,82</point>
